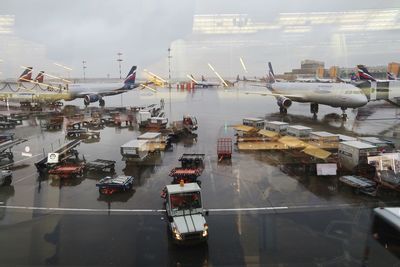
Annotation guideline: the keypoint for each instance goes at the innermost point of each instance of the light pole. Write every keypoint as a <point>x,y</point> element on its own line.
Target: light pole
<point>119,63</point>
<point>84,68</point>
<point>169,67</point>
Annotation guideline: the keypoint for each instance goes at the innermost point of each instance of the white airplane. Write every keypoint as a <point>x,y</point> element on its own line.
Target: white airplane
<point>338,95</point>
<point>90,92</point>
<point>203,83</point>
<point>93,92</point>
<point>388,90</point>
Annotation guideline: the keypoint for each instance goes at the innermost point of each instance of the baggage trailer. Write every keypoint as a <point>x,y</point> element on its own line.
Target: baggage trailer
<point>224,148</point>
<point>360,184</point>
<point>187,175</point>
<point>193,160</point>
<point>192,166</point>
<point>102,165</point>
<point>110,185</point>
<point>65,151</point>
<point>67,170</point>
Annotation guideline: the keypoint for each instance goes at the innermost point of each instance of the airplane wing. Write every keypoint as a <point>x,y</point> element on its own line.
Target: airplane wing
<point>274,94</point>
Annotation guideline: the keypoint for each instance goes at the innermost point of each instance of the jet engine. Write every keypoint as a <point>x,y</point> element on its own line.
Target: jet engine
<point>283,102</point>
<point>91,98</point>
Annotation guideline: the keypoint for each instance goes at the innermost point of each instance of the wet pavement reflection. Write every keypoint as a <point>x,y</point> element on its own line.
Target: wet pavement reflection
<point>310,220</point>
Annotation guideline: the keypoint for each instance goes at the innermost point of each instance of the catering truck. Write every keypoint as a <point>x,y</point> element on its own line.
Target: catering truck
<point>185,213</point>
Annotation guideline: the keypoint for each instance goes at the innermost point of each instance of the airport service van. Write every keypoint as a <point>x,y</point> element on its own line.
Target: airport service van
<point>185,213</point>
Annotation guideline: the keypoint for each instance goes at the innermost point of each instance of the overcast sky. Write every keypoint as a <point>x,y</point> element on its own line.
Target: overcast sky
<point>96,30</point>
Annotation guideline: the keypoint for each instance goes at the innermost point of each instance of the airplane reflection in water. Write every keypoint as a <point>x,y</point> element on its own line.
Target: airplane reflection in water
<point>338,95</point>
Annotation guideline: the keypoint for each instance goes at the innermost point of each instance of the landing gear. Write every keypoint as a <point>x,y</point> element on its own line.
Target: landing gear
<point>314,109</point>
<point>102,103</point>
<point>344,115</point>
<point>86,103</point>
<point>282,110</point>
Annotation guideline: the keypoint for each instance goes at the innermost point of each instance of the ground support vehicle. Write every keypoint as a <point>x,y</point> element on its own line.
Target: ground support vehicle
<point>193,160</point>
<point>67,170</point>
<point>186,221</point>
<point>82,134</point>
<point>360,184</point>
<point>110,185</point>
<point>187,175</point>
<point>5,148</point>
<point>100,165</point>
<point>184,127</point>
<point>5,177</point>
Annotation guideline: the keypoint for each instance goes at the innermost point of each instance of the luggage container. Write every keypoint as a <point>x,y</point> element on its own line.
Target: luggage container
<point>276,126</point>
<point>135,150</point>
<point>299,131</point>
<point>254,122</point>
<point>353,153</point>
<point>224,148</point>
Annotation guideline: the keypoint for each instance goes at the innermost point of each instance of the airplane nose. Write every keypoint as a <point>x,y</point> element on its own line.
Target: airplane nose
<point>361,100</point>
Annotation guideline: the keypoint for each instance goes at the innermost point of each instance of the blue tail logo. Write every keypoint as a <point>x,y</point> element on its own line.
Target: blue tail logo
<point>130,78</point>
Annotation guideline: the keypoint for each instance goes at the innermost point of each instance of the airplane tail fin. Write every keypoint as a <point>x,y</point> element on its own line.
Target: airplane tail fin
<point>40,77</point>
<point>390,76</point>
<point>203,79</point>
<point>194,80</point>
<point>363,73</point>
<point>271,75</point>
<point>26,75</point>
<point>131,77</point>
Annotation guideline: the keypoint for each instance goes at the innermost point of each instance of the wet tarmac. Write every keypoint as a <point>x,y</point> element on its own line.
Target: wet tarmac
<point>259,215</point>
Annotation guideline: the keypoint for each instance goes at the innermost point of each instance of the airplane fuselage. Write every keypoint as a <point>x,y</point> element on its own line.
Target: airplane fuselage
<point>332,94</point>
<point>78,90</point>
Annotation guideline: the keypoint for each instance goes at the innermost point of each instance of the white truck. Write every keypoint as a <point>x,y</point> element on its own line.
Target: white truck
<point>185,213</point>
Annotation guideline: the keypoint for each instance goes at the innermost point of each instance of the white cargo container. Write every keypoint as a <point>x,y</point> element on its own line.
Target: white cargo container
<point>324,137</point>
<point>254,122</point>
<point>276,126</point>
<point>135,150</point>
<point>152,137</point>
<point>353,153</point>
<point>343,138</point>
<point>299,131</point>
<point>382,145</point>
<point>144,115</point>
